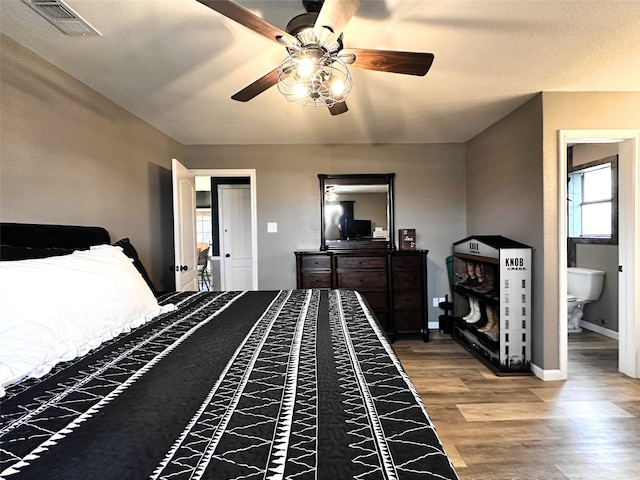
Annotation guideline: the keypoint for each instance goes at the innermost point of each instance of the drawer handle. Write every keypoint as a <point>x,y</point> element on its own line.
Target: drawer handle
<point>315,263</point>
<point>361,262</point>
<point>315,280</point>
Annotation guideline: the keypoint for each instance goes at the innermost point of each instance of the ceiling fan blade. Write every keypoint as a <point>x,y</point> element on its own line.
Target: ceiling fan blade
<point>256,88</point>
<point>247,19</point>
<point>338,108</point>
<point>334,14</point>
<point>408,63</point>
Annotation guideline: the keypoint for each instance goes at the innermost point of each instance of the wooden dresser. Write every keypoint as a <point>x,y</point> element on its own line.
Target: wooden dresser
<point>393,283</point>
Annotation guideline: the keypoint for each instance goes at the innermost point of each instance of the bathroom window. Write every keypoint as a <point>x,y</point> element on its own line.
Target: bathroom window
<point>593,201</point>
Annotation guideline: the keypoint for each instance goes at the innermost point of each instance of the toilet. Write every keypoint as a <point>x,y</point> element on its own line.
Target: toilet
<point>584,285</point>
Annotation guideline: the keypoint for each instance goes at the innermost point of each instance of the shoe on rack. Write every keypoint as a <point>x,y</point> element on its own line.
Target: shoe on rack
<point>493,322</point>
<point>482,321</point>
<point>474,315</point>
<point>488,280</point>
<point>474,311</point>
<point>471,279</point>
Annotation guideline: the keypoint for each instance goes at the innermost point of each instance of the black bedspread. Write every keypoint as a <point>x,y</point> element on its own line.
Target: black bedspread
<point>294,384</point>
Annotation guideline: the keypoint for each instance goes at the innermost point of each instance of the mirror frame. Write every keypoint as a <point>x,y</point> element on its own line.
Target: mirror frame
<point>357,179</point>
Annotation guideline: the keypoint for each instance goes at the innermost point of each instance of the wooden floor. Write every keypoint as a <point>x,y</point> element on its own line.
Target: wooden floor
<point>521,428</point>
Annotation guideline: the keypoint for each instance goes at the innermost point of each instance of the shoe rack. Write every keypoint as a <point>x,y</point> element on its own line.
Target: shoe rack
<point>492,301</point>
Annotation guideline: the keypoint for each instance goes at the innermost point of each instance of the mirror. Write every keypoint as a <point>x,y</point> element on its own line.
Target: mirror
<point>356,211</point>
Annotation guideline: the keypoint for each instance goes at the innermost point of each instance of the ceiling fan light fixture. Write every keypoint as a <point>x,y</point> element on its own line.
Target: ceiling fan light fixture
<point>313,76</point>
<point>306,67</point>
<point>300,90</point>
<point>337,87</point>
<point>318,35</point>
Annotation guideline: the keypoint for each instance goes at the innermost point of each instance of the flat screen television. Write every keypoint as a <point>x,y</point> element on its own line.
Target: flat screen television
<point>357,229</point>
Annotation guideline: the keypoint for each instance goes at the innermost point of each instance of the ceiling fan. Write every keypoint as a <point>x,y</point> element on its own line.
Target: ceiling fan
<point>315,71</point>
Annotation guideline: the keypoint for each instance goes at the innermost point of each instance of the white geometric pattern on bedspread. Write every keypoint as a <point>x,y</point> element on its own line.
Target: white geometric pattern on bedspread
<point>261,417</point>
<point>270,364</point>
<point>86,392</point>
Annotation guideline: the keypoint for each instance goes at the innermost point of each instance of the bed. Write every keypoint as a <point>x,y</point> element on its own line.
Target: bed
<point>298,384</point>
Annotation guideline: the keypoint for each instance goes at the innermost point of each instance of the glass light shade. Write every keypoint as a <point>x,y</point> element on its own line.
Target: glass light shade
<point>312,76</point>
<point>306,67</point>
<point>337,87</point>
<point>300,90</point>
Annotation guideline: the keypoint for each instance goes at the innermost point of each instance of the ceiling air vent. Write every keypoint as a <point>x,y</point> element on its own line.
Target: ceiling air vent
<point>62,16</point>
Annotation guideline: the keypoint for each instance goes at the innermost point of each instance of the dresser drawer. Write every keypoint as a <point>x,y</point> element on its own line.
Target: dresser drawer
<point>406,279</point>
<point>362,280</point>
<point>408,320</point>
<point>314,262</point>
<point>316,280</point>
<point>383,320</point>
<point>361,263</point>
<point>407,299</point>
<point>377,300</point>
<point>412,262</point>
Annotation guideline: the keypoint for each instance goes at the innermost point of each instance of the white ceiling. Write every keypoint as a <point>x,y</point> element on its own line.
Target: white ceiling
<point>175,64</point>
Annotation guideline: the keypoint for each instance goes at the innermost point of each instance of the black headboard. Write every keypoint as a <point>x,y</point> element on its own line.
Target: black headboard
<point>28,240</point>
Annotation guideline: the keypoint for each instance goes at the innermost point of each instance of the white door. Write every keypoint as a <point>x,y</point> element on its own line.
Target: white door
<point>235,236</point>
<point>629,257</point>
<point>184,227</point>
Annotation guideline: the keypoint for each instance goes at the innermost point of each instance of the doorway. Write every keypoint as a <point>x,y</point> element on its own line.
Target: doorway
<point>246,270</point>
<point>628,233</point>
<point>592,243</point>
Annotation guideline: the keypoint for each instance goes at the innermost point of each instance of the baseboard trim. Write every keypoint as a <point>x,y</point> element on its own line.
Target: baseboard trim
<point>598,329</point>
<point>547,375</point>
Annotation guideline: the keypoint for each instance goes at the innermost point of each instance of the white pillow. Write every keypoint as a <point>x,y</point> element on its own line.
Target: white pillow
<point>58,308</point>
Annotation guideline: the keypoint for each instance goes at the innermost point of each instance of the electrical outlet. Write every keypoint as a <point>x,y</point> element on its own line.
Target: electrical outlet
<point>437,301</point>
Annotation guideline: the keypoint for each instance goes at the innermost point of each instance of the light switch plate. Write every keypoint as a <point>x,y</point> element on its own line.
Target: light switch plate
<point>272,227</point>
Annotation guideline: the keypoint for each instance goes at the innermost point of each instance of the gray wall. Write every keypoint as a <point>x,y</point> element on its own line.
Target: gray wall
<point>429,196</point>
<point>70,156</point>
<point>571,111</point>
<point>504,195</point>
<point>589,152</point>
<point>604,311</point>
<point>518,156</point>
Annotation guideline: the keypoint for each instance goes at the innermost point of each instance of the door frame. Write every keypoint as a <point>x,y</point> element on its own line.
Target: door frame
<point>251,174</point>
<point>628,239</point>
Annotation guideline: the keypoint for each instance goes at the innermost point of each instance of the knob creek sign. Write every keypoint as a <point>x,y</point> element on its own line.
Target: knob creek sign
<point>476,247</point>
<point>515,263</point>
